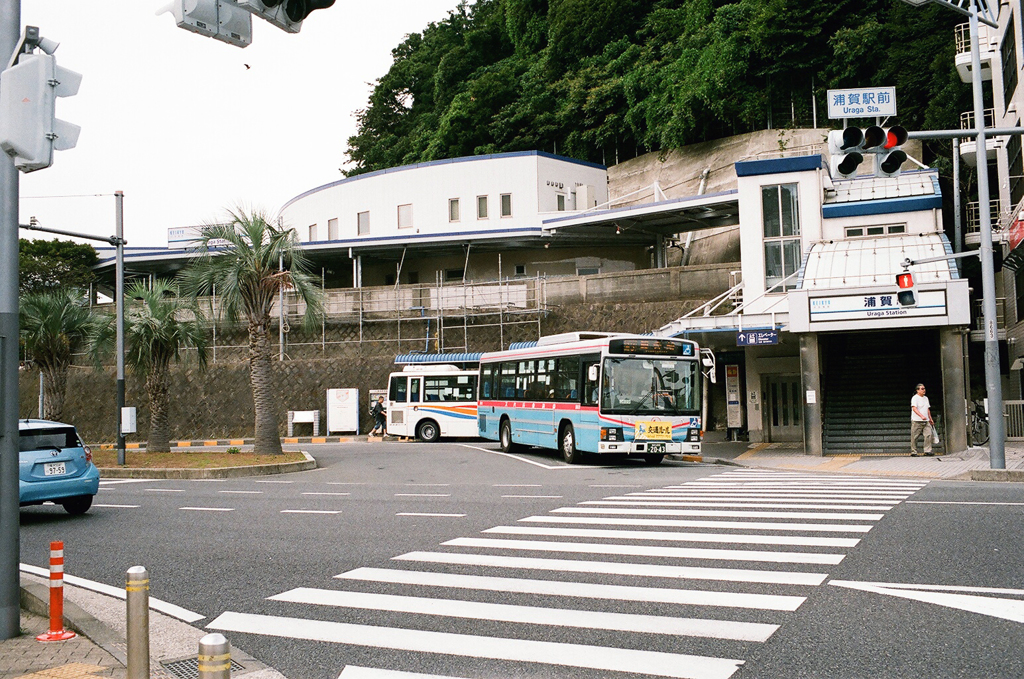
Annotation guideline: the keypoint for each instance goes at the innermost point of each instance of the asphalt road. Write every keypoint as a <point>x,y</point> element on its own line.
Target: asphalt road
<point>810,575</point>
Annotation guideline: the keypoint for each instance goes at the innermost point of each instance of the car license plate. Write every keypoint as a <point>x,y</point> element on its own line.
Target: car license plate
<point>652,431</point>
<point>53,469</point>
<point>655,447</point>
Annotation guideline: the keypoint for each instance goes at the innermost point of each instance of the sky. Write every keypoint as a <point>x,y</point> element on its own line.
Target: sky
<point>180,125</point>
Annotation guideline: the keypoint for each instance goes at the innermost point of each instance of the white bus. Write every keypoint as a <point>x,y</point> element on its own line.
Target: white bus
<point>431,401</point>
<point>596,393</point>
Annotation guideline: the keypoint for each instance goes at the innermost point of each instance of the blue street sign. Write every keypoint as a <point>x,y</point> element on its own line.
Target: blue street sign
<point>753,338</point>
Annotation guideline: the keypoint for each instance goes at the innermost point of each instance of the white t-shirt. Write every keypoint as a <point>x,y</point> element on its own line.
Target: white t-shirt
<point>922,405</point>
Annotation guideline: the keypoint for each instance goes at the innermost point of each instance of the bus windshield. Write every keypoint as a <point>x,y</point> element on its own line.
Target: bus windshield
<point>650,386</point>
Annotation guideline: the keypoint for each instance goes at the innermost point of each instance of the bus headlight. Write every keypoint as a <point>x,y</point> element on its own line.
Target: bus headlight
<point>612,434</point>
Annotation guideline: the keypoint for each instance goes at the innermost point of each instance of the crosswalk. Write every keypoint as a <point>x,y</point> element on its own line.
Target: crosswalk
<point>681,581</point>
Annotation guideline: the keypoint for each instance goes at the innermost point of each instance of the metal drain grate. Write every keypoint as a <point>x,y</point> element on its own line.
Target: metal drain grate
<point>189,668</point>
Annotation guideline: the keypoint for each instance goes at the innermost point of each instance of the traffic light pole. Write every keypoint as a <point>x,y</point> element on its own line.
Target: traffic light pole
<point>10,591</point>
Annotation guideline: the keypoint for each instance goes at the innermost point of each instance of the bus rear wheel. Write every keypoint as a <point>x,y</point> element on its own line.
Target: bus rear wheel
<point>567,441</point>
<point>428,431</point>
<point>505,438</point>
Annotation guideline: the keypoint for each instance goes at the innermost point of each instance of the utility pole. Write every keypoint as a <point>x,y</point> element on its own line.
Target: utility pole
<point>10,591</point>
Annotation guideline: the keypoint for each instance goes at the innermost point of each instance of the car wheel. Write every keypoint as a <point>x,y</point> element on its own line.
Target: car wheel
<point>428,431</point>
<point>77,505</point>
<point>567,441</point>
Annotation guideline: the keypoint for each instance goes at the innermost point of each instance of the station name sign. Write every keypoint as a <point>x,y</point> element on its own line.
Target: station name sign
<point>862,102</point>
<point>875,306</point>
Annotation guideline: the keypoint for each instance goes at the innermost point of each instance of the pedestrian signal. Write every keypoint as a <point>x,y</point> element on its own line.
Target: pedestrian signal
<point>906,294</point>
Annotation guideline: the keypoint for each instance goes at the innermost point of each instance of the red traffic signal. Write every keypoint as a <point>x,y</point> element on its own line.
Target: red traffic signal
<point>907,294</point>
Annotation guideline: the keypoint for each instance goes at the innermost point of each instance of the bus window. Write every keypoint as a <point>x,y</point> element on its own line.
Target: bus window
<point>566,380</point>
<point>414,390</point>
<point>449,388</point>
<point>397,392</point>
<point>591,389</point>
<point>508,380</point>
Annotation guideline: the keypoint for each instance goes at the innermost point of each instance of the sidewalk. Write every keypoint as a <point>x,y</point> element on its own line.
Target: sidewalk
<point>971,465</point>
<point>99,649</point>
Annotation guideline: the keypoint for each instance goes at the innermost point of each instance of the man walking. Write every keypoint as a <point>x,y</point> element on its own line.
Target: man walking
<point>921,422</point>
<point>379,417</point>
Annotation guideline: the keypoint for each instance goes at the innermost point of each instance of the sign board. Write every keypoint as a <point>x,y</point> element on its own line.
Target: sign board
<point>875,306</point>
<point>862,102</point>
<point>734,410</point>
<point>1016,234</point>
<point>753,338</point>
<point>342,410</point>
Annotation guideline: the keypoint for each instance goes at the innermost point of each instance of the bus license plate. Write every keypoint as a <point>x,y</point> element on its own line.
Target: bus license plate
<point>653,431</point>
<point>53,469</point>
<point>655,447</point>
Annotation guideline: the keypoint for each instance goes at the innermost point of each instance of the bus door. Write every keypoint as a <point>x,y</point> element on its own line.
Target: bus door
<point>398,397</point>
<point>589,432</point>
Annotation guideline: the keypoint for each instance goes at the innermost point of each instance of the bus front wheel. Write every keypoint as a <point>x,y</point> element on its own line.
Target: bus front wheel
<point>428,431</point>
<point>570,453</point>
<point>505,438</point>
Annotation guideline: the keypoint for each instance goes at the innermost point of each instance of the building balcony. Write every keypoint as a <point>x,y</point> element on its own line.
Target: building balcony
<point>988,44</point>
<point>977,320</point>
<point>972,230</point>
<point>969,145</point>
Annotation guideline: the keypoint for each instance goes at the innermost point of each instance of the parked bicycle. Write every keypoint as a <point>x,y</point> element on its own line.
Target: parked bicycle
<point>979,425</point>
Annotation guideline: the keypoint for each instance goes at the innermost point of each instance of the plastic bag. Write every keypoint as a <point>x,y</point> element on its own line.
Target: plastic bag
<point>935,437</point>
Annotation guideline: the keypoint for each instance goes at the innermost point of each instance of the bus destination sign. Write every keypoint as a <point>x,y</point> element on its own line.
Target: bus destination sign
<point>651,346</point>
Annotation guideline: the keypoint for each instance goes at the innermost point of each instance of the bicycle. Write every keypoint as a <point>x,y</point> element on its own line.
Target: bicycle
<point>979,425</point>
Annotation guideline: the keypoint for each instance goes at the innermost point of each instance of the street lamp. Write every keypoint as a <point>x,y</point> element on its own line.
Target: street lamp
<point>980,10</point>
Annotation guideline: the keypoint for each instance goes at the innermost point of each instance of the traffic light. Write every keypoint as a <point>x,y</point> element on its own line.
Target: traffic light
<point>906,294</point>
<point>848,146</point>
<point>29,130</point>
<point>287,15</point>
<point>891,157</point>
<point>221,19</point>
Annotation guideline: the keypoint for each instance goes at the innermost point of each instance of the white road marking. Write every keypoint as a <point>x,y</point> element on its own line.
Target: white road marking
<point>533,615</point>
<point>423,494</point>
<point>522,650</point>
<point>672,536</point>
<point>685,523</point>
<point>272,482</point>
<point>119,506</point>
<point>725,514</point>
<point>523,459</point>
<point>165,490</point>
<point>155,604</point>
<point>515,485</point>
<point>636,502</point>
<point>208,509</point>
<point>442,485</point>
<point>429,514</point>
<point>768,556</point>
<point>242,492</point>
<point>333,494</point>
<point>993,504</point>
<point>767,497</point>
<point>356,672</point>
<point>615,568</point>
<point>346,483</point>
<point>786,485</point>
<point>117,482</point>
<point>311,511</point>
<point>690,597</point>
<point>521,497</point>
<point>614,485</point>
<point>1007,609</point>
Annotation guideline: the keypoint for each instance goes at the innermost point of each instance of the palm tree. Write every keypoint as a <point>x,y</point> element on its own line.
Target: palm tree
<point>258,261</point>
<point>157,327</point>
<point>56,325</point>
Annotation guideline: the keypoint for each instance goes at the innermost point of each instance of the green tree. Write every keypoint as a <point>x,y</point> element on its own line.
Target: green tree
<point>55,326</point>
<point>49,264</point>
<point>159,324</point>
<point>247,278</point>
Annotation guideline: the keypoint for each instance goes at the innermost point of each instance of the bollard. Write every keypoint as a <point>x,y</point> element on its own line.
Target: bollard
<point>57,631</point>
<point>214,657</point>
<point>137,616</point>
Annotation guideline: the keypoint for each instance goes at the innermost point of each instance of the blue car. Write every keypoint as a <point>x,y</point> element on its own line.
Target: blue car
<point>55,466</point>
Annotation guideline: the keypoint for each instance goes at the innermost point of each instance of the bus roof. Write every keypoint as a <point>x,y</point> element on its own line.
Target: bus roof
<point>571,342</point>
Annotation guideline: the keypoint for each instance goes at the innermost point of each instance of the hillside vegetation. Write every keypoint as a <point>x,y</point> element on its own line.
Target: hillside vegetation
<point>606,80</point>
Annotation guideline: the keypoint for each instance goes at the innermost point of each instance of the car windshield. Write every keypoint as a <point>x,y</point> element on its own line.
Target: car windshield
<point>650,386</point>
<point>47,439</point>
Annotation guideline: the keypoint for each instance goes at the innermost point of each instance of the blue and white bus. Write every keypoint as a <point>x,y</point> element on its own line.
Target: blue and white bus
<point>595,393</point>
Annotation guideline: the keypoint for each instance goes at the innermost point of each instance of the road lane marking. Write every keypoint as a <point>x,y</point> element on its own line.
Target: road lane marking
<point>528,461</point>
<point>1007,609</point>
<point>119,506</point>
<point>242,492</point>
<point>768,556</point>
<point>118,592</point>
<point>208,509</point>
<point>617,568</point>
<point>356,672</point>
<point>334,494</point>
<point>636,502</point>
<point>672,536</point>
<point>441,485</point>
<point>657,663</point>
<point>766,497</point>
<point>454,516</point>
<point>272,482</point>
<point>687,597</point>
<point>310,511</point>
<point>542,497</point>
<point>533,615</point>
<point>515,485</point>
<point>165,490</point>
<point>725,514</point>
<point>423,494</point>
<point>993,504</point>
<point>686,523</point>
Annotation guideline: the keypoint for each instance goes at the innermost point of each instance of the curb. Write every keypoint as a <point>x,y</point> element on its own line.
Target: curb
<point>208,443</point>
<point>215,473</point>
<point>35,599</point>
<point>1002,475</point>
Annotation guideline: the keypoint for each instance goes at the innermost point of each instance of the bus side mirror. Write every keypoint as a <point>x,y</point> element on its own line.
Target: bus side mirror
<point>592,373</point>
<point>707,359</point>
